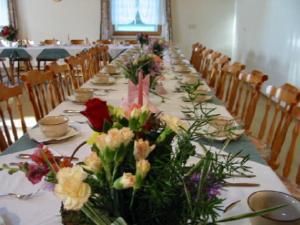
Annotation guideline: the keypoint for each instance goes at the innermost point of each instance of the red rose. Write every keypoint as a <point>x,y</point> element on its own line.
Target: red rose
<point>97,113</point>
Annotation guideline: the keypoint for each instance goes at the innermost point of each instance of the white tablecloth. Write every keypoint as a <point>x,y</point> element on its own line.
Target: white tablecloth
<point>43,209</point>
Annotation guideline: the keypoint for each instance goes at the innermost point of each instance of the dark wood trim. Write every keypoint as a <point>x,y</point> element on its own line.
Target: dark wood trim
<point>133,33</point>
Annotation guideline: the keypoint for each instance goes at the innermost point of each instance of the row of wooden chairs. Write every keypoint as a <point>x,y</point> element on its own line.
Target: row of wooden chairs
<point>72,42</point>
<point>241,93</point>
<point>46,89</point>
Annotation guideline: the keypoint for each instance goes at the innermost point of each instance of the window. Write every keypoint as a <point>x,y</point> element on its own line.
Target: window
<point>132,16</point>
<point>4,18</point>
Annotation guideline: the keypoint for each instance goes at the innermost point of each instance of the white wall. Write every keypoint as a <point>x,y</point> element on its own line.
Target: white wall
<point>268,38</point>
<point>44,19</point>
<point>207,21</point>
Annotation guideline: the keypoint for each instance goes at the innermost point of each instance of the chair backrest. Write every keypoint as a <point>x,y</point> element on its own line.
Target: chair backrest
<point>289,160</point>
<point>288,97</point>
<point>77,42</point>
<point>65,81</point>
<point>208,65</point>
<point>204,58</point>
<point>43,91</point>
<point>249,86</point>
<point>195,48</point>
<point>229,79</point>
<point>104,42</point>
<point>9,134</point>
<point>78,69</point>
<point>215,73</point>
<point>49,42</point>
<point>198,58</point>
<point>103,55</point>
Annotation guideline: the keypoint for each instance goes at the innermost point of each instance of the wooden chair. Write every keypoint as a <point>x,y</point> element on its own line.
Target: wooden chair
<point>195,48</point>
<point>78,69</point>
<point>49,42</point>
<point>7,96</point>
<point>279,103</point>
<point>77,42</point>
<point>103,55</point>
<point>228,80</point>
<point>291,184</point>
<point>215,74</point>
<point>204,58</point>
<point>198,58</point>
<point>248,95</point>
<point>43,92</point>
<point>208,64</point>
<point>288,98</point>
<point>65,81</point>
<point>104,42</point>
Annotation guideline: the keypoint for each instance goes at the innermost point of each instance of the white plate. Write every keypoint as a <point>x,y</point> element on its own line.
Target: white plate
<point>72,99</point>
<point>233,135</point>
<point>37,135</point>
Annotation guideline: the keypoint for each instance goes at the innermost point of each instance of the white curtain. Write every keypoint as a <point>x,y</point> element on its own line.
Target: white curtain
<point>123,11</point>
<point>4,16</point>
<point>151,11</point>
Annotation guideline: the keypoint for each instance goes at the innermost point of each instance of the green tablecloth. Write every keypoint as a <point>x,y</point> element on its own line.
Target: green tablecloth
<point>52,54</point>
<point>15,54</point>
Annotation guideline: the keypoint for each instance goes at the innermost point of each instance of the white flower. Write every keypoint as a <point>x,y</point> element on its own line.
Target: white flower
<point>174,123</point>
<point>143,167</point>
<point>71,189</point>
<point>92,162</point>
<point>114,138</point>
<point>124,182</point>
<point>142,149</point>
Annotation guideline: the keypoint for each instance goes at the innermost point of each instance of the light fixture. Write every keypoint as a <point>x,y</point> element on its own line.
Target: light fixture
<point>57,0</point>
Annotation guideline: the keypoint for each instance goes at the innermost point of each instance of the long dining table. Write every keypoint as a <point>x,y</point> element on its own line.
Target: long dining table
<point>44,207</point>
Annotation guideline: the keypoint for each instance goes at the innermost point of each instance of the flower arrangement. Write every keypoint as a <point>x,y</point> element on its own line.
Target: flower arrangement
<point>9,33</point>
<point>139,172</point>
<point>158,46</point>
<point>143,39</point>
<point>148,64</point>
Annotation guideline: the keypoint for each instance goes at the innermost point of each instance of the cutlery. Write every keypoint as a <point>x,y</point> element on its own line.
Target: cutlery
<point>71,111</point>
<point>229,184</point>
<point>20,196</point>
<point>28,156</point>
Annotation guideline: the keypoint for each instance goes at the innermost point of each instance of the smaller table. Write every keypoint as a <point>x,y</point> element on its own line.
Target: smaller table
<point>51,54</point>
<point>16,55</point>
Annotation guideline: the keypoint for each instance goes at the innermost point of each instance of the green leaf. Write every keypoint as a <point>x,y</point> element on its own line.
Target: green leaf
<point>119,221</point>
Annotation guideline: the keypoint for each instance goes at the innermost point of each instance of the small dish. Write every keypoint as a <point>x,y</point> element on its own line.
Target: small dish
<point>182,69</point>
<point>110,69</point>
<point>82,95</point>
<point>223,128</point>
<point>104,81</point>
<point>54,126</point>
<point>290,214</point>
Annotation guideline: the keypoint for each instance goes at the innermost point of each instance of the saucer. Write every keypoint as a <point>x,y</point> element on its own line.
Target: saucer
<point>111,81</point>
<point>37,135</point>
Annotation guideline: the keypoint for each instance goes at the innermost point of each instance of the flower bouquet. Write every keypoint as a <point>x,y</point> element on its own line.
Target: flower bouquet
<point>8,33</point>
<point>143,39</point>
<point>139,172</point>
<point>157,47</point>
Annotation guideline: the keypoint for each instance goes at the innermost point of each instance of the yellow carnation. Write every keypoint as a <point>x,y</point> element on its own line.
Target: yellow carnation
<point>71,189</point>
